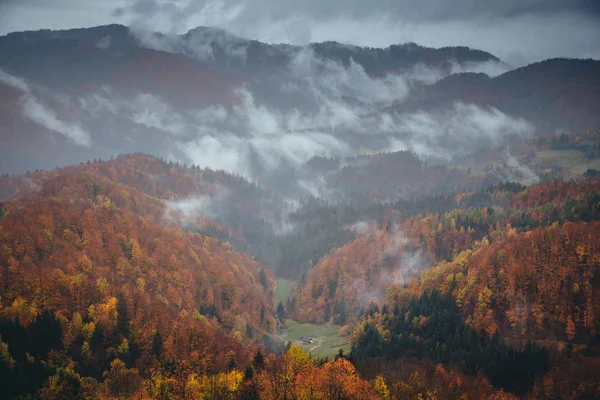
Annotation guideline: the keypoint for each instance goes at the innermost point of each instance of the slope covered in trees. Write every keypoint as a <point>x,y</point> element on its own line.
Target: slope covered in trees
<point>550,93</point>
<point>110,286</point>
<point>430,326</point>
<point>538,284</point>
<point>91,274</point>
<point>344,281</point>
<point>508,266</point>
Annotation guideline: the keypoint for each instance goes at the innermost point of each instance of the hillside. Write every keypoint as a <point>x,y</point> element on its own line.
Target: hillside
<point>207,216</point>
<point>507,266</point>
<point>94,259</point>
<point>383,261</point>
<point>552,93</point>
<point>84,94</point>
<point>538,284</point>
<point>103,255</point>
<point>221,48</point>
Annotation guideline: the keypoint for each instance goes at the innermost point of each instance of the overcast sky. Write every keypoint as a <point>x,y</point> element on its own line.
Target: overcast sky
<point>518,31</point>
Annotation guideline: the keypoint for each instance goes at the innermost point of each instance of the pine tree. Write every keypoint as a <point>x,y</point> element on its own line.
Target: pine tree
<point>249,372</point>
<point>157,345</point>
<point>259,360</point>
<point>122,316</point>
<point>262,277</point>
<point>231,362</point>
<point>280,311</point>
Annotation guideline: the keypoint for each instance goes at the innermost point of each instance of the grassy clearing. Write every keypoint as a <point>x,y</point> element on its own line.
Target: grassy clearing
<point>582,168</point>
<point>327,343</point>
<point>573,161</point>
<point>562,158</point>
<point>283,289</point>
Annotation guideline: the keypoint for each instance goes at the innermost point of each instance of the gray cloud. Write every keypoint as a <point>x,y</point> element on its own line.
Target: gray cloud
<point>519,31</point>
<point>34,110</point>
<point>253,138</point>
<point>456,131</point>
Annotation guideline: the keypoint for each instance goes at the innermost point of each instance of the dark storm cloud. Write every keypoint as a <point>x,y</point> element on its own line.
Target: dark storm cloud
<point>518,31</point>
<point>432,10</point>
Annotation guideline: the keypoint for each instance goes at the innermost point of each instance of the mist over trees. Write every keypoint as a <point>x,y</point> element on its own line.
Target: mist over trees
<point>204,216</point>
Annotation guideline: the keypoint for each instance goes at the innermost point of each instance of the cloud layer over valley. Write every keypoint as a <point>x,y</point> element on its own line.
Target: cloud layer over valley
<point>313,105</point>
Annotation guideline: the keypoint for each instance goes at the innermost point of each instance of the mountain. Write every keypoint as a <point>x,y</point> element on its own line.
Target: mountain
<point>384,263</point>
<point>91,93</point>
<point>96,260</point>
<point>206,216</point>
<point>554,94</point>
<point>106,47</point>
<point>494,285</point>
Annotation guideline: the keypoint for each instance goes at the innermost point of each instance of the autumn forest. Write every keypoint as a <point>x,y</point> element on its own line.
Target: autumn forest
<point>179,226</point>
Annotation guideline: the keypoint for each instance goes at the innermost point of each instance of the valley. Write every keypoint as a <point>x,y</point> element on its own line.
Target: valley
<point>202,216</point>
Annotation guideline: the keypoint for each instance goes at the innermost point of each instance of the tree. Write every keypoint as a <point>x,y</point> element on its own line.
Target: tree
<point>65,384</point>
<point>262,277</point>
<point>46,334</point>
<point>121,381</point>
<point>570,329</point>
<point>231,361</point>
<point>122,316</point>
<point>157,345</point>
<point>381,388</point>
<point>249,372</point>
<point>259,360</point>
<point>280,311</point>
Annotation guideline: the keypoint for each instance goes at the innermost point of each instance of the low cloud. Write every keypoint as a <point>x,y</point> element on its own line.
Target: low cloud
<point>512,170</point>
<point>188,210</point>
<point>258,140</point>
<point>15,82</point>
<point>455,131</point>
<point>143,109</point>
<point>518,32</point>
<point>46,117</point>
<point>522,172</point>
<point>34,110</point>
<point>401,261</point>
<point>362,227</point>
<point>314,108</point>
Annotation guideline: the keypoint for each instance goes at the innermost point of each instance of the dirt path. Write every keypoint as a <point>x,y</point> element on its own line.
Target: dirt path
<point>320,342</point>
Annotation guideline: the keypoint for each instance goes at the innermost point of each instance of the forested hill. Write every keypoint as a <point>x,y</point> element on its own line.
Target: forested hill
<point>91,273</point>
<point>128,278</point>
<point>538,92</point>
<point>506,267</point>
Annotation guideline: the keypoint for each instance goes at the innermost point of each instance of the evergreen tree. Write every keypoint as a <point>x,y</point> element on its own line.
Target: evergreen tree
<point>262,277</point>
<point>259,360</point>
<point>280,311</point>
<point>46,334</point>
<point>122,316</point>
<point>157,345</point>
<point>431,326</point>
<point>249,372</point>
<point>231,362</point>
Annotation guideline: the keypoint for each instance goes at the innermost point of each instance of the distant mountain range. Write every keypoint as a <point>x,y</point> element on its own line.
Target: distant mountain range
<point>104,48</point>
<point>556,94</point>
<point>73,95</point>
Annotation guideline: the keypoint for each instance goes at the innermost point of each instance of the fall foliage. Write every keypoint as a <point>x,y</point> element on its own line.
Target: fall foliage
<point>107,291</point>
